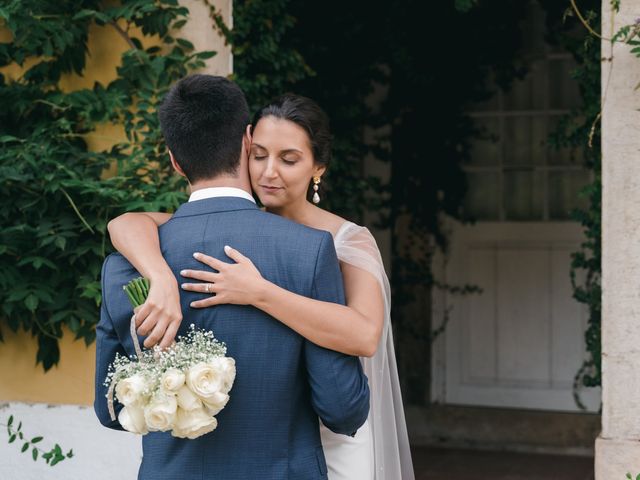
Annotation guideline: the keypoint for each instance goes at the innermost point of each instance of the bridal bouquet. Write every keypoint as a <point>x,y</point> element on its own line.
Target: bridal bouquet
<point>179,389</point>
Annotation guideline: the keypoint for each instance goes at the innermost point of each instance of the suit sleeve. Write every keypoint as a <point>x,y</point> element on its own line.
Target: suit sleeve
<point>339,388</point>
<point>107,345</point>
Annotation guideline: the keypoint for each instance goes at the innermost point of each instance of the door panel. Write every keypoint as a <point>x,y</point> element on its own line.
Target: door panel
<point>520,342</point>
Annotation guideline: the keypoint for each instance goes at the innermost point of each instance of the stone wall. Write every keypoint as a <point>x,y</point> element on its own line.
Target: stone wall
<point>618,447</point>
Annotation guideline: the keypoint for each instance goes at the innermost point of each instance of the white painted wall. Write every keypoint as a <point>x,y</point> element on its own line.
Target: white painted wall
<point>99,453</point>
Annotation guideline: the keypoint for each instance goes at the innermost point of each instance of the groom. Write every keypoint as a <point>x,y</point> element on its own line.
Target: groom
<point>269,430</point>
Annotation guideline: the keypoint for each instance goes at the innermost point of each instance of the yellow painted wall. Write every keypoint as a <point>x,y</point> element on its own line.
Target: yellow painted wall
<point>72,380</point>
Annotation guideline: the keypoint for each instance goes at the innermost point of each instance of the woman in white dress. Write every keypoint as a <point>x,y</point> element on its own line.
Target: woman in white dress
<point>290,151</point>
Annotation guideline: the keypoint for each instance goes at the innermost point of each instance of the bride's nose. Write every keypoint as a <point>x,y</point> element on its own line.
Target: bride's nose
<point>270,170</point>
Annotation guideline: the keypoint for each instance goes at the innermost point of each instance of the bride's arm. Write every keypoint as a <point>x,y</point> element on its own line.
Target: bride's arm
<point>135,236</point>
<point>353,329</point>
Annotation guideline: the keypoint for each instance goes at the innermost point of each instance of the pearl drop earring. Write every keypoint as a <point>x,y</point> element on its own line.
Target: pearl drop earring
<point>316,197</point>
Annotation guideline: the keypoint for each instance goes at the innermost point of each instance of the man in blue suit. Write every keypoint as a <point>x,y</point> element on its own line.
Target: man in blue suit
<point>269,430</point>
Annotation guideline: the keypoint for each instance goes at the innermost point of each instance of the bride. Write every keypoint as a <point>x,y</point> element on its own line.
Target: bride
<point>290,151</point>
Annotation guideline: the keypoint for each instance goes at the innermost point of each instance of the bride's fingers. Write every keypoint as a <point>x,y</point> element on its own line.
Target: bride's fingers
<point>141,312</point>
<point>169,335</point>
<point>200,275</point>
<point>208,302</point>
<point>200,287</point>
<point>147,325</point>
<point>211,261</point>
<point>156,334</point>
<point>234,254</point>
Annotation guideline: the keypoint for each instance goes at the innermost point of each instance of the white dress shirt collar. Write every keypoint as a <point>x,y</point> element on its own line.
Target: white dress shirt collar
<point>213,192</point>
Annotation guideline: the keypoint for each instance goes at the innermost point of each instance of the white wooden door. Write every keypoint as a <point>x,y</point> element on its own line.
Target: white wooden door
<point>520,342</point>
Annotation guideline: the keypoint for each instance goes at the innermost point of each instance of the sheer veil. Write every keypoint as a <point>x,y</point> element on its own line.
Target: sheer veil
<point>356,246</point>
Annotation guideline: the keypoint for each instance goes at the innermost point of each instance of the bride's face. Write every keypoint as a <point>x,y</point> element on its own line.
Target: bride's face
<point>281,163</point>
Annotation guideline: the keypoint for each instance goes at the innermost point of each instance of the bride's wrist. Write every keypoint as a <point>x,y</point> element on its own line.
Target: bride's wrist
<point>161,275</point>
<point>261,294</point>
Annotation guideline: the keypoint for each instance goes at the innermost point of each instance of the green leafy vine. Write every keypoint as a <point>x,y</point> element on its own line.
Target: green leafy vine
<point>52,457</point>
<point>58,193</point>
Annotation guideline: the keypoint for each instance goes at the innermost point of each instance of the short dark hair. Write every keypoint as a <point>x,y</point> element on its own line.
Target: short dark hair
<point>307,114</point>
<point>203,119</point>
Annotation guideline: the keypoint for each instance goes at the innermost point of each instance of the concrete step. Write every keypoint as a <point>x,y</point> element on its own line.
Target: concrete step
<point>454,464</point>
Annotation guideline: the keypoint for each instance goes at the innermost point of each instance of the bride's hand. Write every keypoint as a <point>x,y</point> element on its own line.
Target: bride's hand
<point>237,283</point>
<point>160,315</point>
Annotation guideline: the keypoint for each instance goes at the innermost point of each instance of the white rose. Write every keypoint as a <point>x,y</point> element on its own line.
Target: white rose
<point>132,420</point>
<point>187,400</point>
<point>172,380</point>
<point>204,379</point>
<point>132,390</point>
<point>227,368</point>
<point>160,413</point>
<point>193,424</point>
<point>216,402</point>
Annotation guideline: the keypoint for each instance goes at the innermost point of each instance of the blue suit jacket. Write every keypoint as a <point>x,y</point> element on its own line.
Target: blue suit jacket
<point>269,429</point>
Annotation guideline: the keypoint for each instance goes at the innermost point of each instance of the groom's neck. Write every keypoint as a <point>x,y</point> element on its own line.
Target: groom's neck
<point>222,181</point>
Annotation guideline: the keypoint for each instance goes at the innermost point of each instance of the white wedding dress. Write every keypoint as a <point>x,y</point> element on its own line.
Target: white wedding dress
<point>380,448</point>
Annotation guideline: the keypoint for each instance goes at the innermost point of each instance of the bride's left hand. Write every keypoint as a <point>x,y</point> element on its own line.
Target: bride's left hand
<point>237,283</point>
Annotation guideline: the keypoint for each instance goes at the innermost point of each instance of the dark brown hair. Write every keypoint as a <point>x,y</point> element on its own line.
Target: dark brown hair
<point>203,119</point>
<point>307,114</point>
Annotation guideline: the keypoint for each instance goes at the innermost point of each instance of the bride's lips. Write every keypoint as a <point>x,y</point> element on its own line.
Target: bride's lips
<point>270,189</point>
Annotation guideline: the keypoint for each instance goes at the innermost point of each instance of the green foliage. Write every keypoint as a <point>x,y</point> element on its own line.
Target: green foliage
<point>51,457</point>
<point>465,5</point>
<point>265,63</point>
<point>430,92</point>
<point>346,54</point>
<point>581,129</point>
<point>630,35</point>
<point>57,194</point>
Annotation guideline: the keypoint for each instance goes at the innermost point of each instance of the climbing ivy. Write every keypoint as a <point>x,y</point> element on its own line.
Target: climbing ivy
<point>575,28</point>
<point>57,193</point>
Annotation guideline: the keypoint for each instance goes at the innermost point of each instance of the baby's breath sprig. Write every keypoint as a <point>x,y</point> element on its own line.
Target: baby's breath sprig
<point>137,290</point>
<point>195,347</point>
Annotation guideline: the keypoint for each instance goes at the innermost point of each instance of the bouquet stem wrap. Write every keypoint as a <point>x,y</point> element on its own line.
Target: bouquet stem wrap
<point>112,385</point>
<point>137,291</point>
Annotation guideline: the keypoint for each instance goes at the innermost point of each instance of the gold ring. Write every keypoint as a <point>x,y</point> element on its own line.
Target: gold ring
<point>208,288</point>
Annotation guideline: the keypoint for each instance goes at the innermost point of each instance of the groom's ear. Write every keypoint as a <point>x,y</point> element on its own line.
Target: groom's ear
<point>175,164</point>
<point>246,141</point>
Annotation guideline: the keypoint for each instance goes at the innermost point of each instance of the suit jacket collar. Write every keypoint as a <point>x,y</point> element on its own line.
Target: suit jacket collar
<point>214,205</point>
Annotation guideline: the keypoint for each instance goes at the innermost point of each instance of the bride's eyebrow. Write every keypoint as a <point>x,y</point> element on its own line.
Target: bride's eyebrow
<point>257,145</point>
<point>290,150</point>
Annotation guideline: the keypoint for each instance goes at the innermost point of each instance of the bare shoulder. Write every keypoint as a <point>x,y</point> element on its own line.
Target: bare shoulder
<point>325,220</point>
